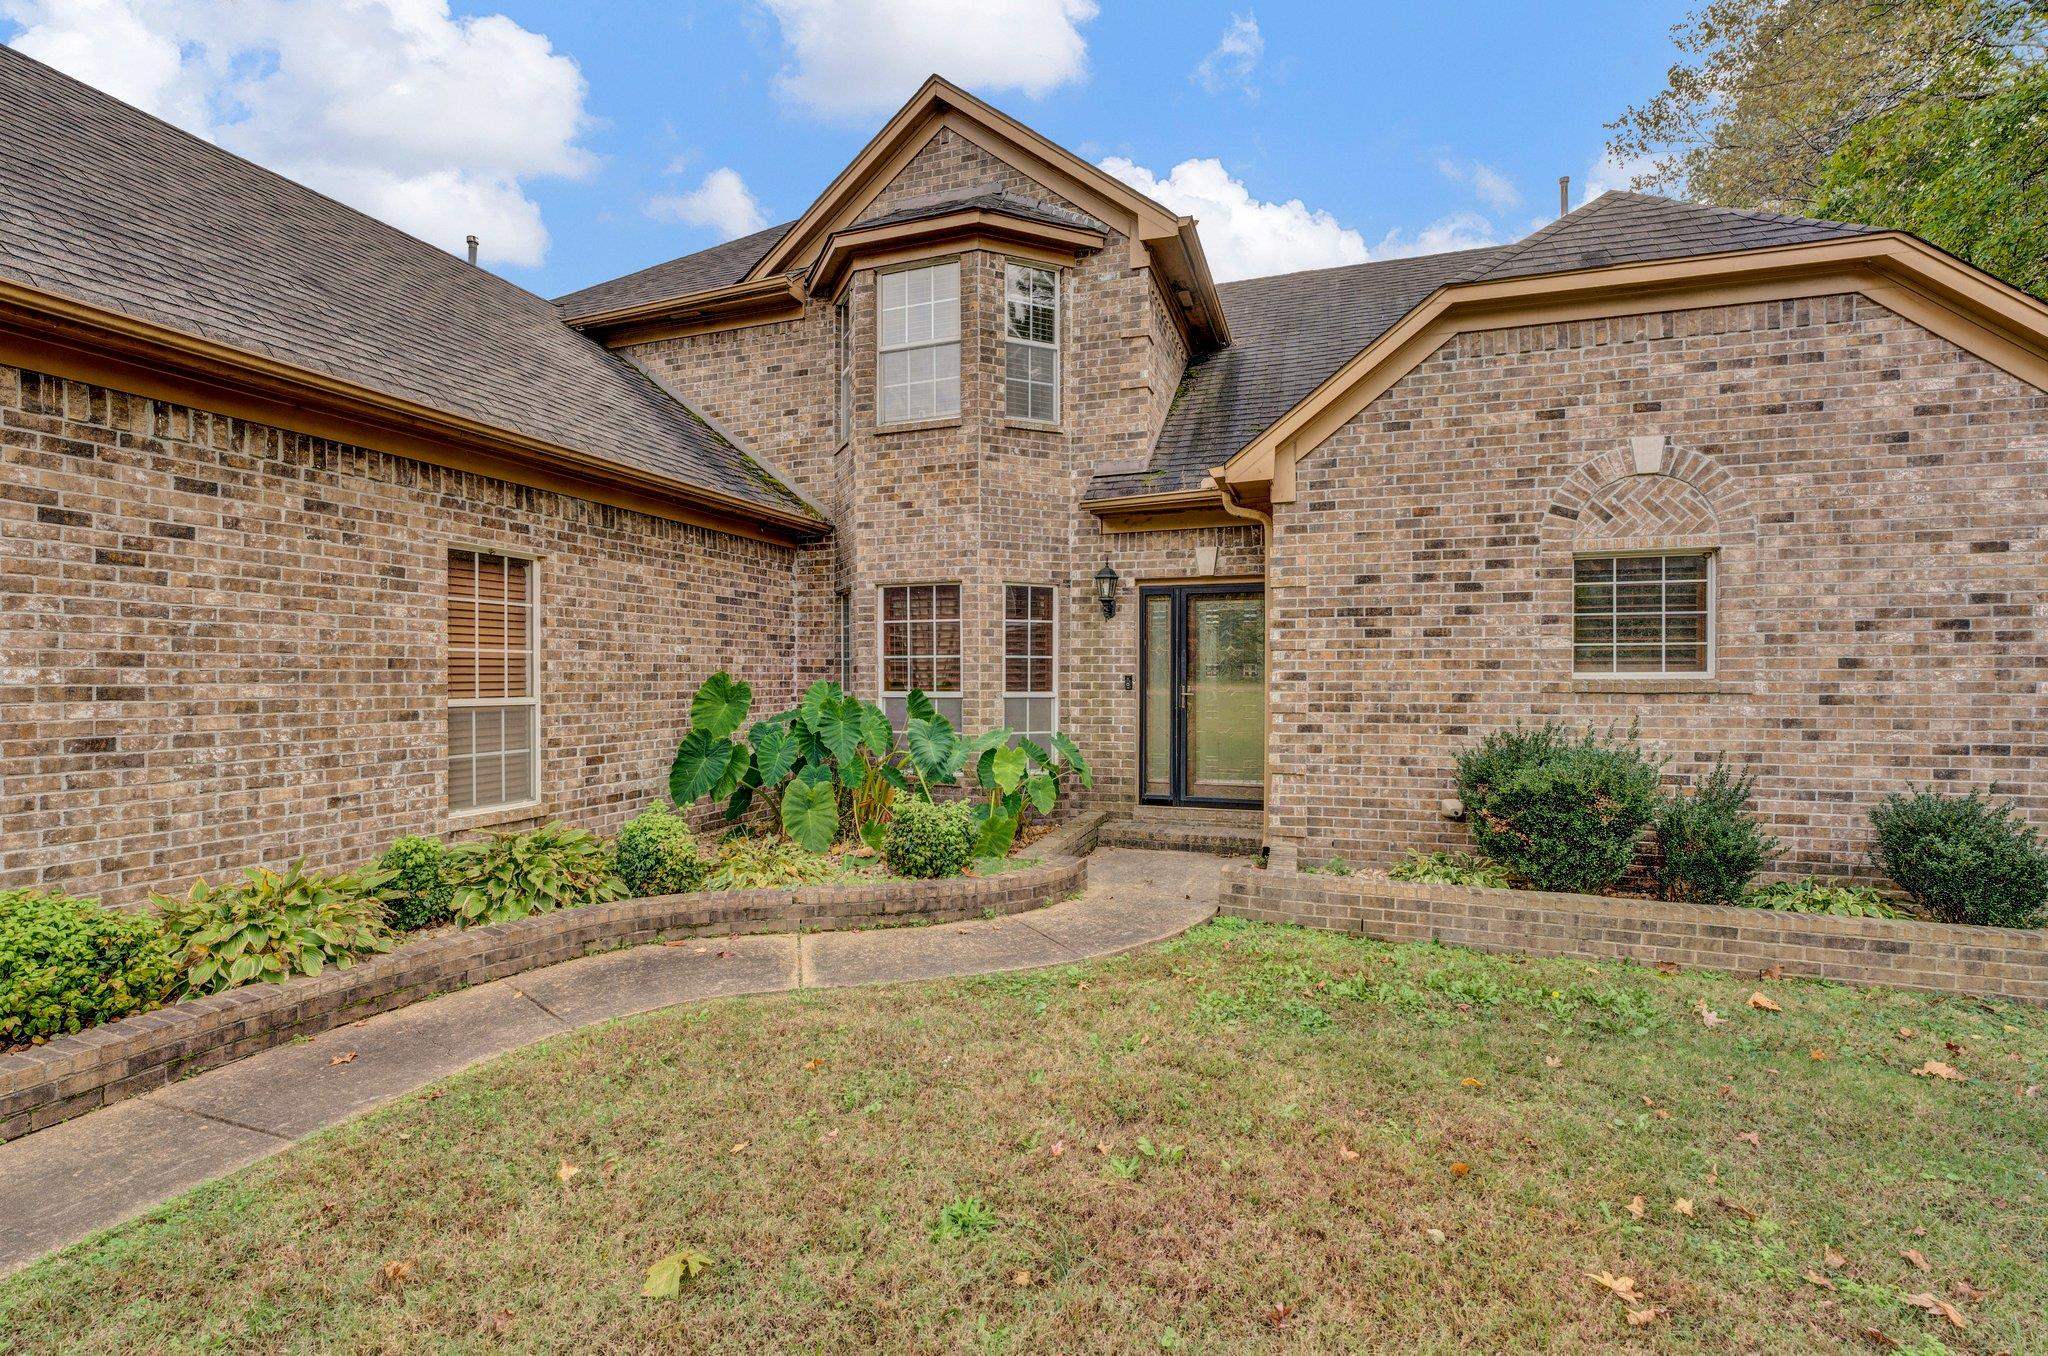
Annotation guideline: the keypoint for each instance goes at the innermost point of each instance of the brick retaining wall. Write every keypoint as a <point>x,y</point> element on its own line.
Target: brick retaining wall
<point>1904,953</point>
<point>72,1075</point>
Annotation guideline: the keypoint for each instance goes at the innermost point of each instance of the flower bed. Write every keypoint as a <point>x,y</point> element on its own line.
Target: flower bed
<point>1904,953</point>
<point>74,1074</point>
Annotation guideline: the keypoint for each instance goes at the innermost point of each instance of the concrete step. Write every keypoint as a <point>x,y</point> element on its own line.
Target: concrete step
<point>1231,838</point>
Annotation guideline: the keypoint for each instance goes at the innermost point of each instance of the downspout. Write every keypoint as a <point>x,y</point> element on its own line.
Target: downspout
<point>1236,508</point>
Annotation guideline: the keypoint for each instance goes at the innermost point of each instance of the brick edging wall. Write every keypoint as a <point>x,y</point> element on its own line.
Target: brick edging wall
<point>74,1074</point>
<point>1903,953</point>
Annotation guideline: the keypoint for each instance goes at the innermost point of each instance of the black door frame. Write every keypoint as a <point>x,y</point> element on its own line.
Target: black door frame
<point>1177,690</point>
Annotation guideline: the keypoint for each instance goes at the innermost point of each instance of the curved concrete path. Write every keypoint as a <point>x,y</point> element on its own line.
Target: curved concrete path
<point>63,1183</point>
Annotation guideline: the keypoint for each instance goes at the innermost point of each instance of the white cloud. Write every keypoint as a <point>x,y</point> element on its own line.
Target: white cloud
<point>1607,174</point>
<point>1488,184</point>
<point>1245,238</point>
<point>1235,58</point>
<point>431,122</point>
<point>1458,231</point>
<point>722,202</point>
<point>855,58</point>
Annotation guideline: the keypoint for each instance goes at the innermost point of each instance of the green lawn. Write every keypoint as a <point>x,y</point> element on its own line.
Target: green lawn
<point>1252,1138</point>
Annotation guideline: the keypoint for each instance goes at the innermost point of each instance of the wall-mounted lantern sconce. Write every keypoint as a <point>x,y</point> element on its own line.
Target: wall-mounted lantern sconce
<point>1105,591</point>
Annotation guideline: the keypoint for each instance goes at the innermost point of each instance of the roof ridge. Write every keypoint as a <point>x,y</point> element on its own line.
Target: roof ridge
<point>778,231</point>
<point>1363,263</point>
<point>1550,230</point>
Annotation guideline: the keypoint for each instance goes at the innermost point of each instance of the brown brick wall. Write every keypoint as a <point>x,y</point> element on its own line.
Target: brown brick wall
<point>224,643</point>
<point>1902,953</point>
<point>1874,495</point>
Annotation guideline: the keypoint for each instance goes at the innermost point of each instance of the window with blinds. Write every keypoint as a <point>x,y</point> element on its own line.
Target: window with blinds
<point>493,710</point>
<point>1031,354</point>
<point>921,649</point>
<point>1029,701</point>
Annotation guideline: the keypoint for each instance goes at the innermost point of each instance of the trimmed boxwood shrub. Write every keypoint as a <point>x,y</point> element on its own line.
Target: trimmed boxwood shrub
<point>658,855</point>
<point>1963,859</point>
<point>1709,845</point>
<point>926,840</point>
<point>1561,810</point>
<point>68,963</point>
<point>418,893</point>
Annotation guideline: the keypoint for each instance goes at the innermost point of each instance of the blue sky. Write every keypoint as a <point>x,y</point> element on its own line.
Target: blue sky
<point>584,140</point>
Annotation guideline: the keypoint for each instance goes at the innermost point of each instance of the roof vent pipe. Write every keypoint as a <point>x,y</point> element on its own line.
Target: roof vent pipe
<point>1564,203</point>
<point>472,250</point>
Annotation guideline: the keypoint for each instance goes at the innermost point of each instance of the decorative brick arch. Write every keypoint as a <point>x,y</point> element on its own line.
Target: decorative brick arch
<point>1645,494</point>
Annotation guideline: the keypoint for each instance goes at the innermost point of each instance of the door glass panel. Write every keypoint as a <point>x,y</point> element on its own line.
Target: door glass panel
<point>1226,697</point>
<point>1158,697</point>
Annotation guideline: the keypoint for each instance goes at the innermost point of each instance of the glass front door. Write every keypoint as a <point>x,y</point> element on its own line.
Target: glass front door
<point>1202,718</point>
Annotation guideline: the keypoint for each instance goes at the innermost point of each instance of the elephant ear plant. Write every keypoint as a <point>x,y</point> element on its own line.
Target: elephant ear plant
<point>834,763</point>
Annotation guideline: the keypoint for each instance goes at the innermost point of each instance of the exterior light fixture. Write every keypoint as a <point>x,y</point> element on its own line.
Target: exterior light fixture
<point>1105,591</point>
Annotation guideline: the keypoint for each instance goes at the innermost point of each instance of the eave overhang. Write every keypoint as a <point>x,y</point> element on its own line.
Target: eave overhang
<point>759,301</point>
<point>971,229</point>
<point>64,337</point>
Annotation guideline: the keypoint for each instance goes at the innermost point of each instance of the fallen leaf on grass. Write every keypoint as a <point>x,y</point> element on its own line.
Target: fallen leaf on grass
<point>1552,1062</point>
<point>1347,1153</point>
<point>1636,1208</point>
<point>1906,1033</point>
<point>1667,967</point>
<point>1460,1169</point>
<point>1762,1003</point>
<point>1967,1291</point>
<point>1020,1278</point>
<point>1709,1017</point>
<point>2031,1090</point>
<point>828,1137</point>
<point>1056,1148</point>
<point>566,1171</point>
<point>1815,1278</point>
<point>1734,1209</point>
<point>1934,1304</point>
<point>1278,1315</point>
<point>1816,1054</point>
<point>1752,1138</point>
<point>1774,972</point>
<point>1641,1317</point>
<point>1877,1338</point>
<point>348,1058</point>
<point>740,1147</point>
<point>396,1274</point>
<point>1624,1286</point>
<point>1833,1258</point>
<point>1917,1258</point>
<point>1683,1206</point>
<point>1470,1083</point>
<point>665,1278</point>
<point>1934,1068</point>
<point>814,1064</point>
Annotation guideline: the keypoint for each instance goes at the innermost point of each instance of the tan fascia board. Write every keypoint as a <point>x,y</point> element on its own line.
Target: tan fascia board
<point>971,229</point>
<point>65,338</point>
<point>759,302</point>
<point>2000,324</point>
<point>1164,511</point>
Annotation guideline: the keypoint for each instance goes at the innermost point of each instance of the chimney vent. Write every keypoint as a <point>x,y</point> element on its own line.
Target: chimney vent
<point>472,249</point>
<point>1564,197</point>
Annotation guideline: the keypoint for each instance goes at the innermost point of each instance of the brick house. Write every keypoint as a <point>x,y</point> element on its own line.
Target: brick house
<point>311,534</point>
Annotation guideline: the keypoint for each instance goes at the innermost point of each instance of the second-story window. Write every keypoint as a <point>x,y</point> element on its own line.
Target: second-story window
<point>842,338</point>
<point>920,343</point>
<point>1031,358</point>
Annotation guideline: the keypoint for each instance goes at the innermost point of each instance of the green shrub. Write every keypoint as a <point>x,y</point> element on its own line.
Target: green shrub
<point>270,926</point>
<point>511,875</point>
<point>1562,811</point>
<point>1709,844</point>
<point>67,963</point>
<point>1450,868</point>
<point>1963,859</point>
<point>658,855</point>
<point>1819,896</point>
<point>926,840</point>
<point>419,894</point>
<point>766,863</point>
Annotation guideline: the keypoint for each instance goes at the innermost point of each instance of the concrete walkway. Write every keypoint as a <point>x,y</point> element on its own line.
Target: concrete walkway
<point>63,1183</point>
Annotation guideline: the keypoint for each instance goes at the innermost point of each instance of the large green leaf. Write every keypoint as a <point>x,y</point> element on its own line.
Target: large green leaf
<point>934,750</point>
<point>1043,792</point>
<point>775,752</point>
<point>1071,755</point>
<point>810,814</point>
<point>816,696</point>
<point>917,706</point>
<point>997,832</point>
<point>1036,752</point>
<point>1009,767</point>
<point>720,705</point>
<point>741,802</point>
<point>838,726</point>
<point>735,773</point>
<point>701,759</point>
<point>874,729</point>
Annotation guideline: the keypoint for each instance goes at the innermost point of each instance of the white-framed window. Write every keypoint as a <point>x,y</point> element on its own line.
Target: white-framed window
<point>844,603</point>
<point>493,701</point>
<point>1031,353</point>
<point>1030,661</point>
<point>918,343</point>
<point>842,339</point>
<point>920,643</point>
<point>1643,613</point>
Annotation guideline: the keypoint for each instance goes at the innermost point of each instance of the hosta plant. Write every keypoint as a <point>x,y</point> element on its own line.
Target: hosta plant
<point>271,926</point>
<point>1450,868</point>
<point>1819,896</point>
<point>764,863</point>
<point>511,875</point>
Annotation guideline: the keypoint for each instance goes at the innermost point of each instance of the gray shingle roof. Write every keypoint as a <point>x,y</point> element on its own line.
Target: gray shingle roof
<point>108,206</point>
<point>719,266</point>
<point>1293,331</point>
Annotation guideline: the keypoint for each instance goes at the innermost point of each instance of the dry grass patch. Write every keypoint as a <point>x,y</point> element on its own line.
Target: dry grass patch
<point>1253,1138</point>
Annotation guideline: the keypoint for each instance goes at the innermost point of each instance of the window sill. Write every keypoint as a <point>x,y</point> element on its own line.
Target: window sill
<point>1698,684</point>
<point>1034,425</point>
<point>917,426</point>
<point>460,820</point>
